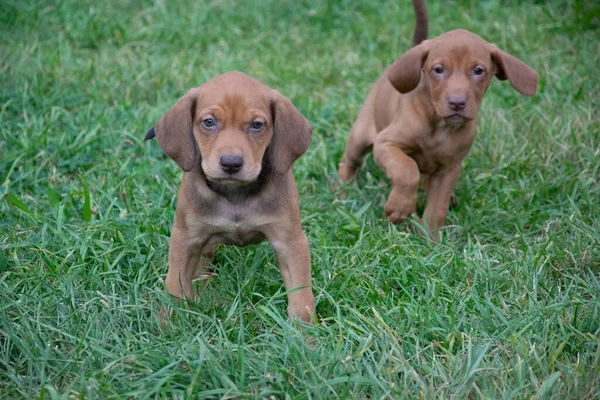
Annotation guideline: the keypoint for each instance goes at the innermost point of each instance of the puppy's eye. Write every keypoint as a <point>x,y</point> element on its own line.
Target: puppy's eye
<point>257,125</point>
<point>438,69</point>
<point>209,122</point>
<point>478,71</point>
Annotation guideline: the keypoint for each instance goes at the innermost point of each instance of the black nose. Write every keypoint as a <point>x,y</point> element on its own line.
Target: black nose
<point>457,102</point>
<point>231,163</point>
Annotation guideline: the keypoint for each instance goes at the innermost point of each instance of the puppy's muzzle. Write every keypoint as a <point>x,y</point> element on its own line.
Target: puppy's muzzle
<point>231,163</point>
<point>457,102</point>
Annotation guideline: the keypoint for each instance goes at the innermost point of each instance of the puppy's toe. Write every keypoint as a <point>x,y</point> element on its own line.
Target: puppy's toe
<point>395,217</point>
<point>400,205</point>
<point>397,213</point>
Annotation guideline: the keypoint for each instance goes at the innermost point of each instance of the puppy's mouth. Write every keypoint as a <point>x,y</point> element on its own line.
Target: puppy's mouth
<point>230,181</point>
<point>456,119</point>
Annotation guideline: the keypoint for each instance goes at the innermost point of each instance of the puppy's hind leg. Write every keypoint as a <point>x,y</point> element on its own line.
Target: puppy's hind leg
<point>453,198</point>
<point>439,194</point>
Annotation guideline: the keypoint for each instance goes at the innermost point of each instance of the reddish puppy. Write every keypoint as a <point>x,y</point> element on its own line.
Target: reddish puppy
<point>420,118</point>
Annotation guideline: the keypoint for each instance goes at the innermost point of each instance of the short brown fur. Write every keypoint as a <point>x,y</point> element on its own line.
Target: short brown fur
<point>243,204</point>
<point>422,123</point>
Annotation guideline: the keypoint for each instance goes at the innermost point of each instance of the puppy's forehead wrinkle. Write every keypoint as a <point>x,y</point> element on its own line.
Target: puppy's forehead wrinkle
<point>236,107</point>
<point>459,44</point>
<point>459,53</point>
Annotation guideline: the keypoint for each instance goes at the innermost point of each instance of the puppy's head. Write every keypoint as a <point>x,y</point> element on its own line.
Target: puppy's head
<point>231,127</point>
<point>456,68</point>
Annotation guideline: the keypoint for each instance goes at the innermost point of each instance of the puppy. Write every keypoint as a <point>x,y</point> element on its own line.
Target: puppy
<point>420,117</point>
<point>236,140</point>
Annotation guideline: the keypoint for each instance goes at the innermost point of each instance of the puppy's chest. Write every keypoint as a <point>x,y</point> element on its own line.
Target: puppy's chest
<point>440,150</point>
<point>229,225</point>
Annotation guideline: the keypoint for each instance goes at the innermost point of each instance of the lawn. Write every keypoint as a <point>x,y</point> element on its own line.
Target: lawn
<point>507,305</point>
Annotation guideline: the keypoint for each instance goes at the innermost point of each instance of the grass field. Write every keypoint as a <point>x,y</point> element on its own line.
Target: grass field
<point>506,306</point>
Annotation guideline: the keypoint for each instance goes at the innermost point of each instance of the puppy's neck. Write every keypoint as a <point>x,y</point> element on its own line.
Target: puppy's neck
<point>235,194</point>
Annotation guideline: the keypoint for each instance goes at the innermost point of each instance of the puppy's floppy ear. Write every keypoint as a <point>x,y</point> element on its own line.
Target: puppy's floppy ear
<point>521,76</point>
<point>174,131</point>
<point>151,134</point>
<point>292,133</point>
<point>405,73</point>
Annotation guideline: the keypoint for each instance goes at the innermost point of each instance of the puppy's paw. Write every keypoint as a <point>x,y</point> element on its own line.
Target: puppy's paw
<point>427,231</point>
<point>345,172</point>
<point>335,187</point>
<point>342,194</point>
<point>304,316</point>
<point>399,207</point>
<point>301,306</point>
<point>396,217</point>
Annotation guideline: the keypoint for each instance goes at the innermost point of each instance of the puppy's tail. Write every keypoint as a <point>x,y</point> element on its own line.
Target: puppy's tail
<point>421,23</point>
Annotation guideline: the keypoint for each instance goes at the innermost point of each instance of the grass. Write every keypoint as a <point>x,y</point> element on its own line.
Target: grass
<point>506,306</point>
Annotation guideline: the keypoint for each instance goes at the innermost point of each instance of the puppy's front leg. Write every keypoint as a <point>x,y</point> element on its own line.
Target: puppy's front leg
<point>404,174</point>
<point>293,256</point>
<point>186,262</point>
<point>439,193</point>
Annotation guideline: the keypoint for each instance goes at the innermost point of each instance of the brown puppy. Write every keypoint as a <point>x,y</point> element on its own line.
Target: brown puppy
<point>236,141</point>
<point>420,118</point>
